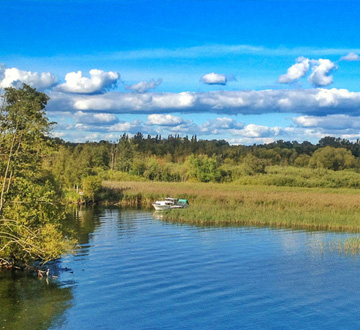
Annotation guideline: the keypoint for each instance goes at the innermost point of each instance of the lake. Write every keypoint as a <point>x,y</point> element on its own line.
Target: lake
<point>134,271</point>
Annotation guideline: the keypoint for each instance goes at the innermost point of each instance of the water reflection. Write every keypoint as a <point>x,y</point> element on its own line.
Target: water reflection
<point>31,303</point>
<point>84,221</point>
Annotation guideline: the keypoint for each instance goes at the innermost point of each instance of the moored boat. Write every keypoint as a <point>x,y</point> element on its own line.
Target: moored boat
<point>170,203</point>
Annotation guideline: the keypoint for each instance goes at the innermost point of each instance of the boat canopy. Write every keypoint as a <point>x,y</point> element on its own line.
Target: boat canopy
<point>183,202</point>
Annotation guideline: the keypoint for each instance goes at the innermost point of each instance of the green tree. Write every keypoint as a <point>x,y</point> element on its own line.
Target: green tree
<point>302,160</point>
<point>203,168</point>
<point>91,185</point>
<point>254,165</point>
<point>332,158</point>
<point>30,217</point>
<point>125,153</point>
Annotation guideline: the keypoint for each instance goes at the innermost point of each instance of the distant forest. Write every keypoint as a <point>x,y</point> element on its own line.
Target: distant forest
<point>178,158</point>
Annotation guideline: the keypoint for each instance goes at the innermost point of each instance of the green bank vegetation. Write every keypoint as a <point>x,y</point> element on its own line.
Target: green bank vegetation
<point>330,163</point>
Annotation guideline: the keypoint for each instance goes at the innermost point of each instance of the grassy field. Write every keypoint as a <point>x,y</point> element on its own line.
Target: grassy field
<point>232,204</point>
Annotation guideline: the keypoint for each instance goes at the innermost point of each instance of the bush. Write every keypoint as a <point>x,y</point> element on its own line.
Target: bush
<point>91,186</point>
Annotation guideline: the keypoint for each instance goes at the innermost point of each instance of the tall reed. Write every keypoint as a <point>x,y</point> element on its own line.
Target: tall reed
<point>231,204</point>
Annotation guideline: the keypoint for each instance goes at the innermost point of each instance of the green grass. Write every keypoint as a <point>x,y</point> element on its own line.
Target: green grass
<point>233,204</point>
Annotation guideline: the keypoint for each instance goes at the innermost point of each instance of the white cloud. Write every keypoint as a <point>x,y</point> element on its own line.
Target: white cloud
<point>257,131</point>
<point>98,82</point>
<point>321,70</point>
<point>95,118</point>
<point>144,86</point>
<point>248,141</point>
<point>164,120</point>
<point>265,134</point>
<point>125,102</point>
<point>13,77</point>
<point>296,71</point>
<point>132,127</point>
<point>219,125</point>
<point>308,128</point>
<point>318,101</point>
<point>214,79</point>
<point>351,57</point>
<point>337,122</point>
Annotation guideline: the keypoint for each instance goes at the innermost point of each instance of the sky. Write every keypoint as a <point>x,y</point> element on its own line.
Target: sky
<point>247,71</point>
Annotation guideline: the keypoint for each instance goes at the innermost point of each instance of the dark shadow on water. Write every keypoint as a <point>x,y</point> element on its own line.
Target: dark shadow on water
<point>27,302</point>
<point>83,221</point>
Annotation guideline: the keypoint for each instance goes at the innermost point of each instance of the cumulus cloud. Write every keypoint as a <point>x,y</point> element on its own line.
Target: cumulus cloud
<point>219,125</point>
<point>131,127</point>
<point>318,101</point>
<point>308,128</point>
<point>333,122</point>
<point>95,118</point>
<point>98,82</point>
<point>144,86</point>
<point>256,131</point>
<point>214,79</point>
<point>13,77</point>
<point>351,57</point>
<point>164,120</point>
<point>321,70</point>
<point>296,71</point>
<point>123,102</point>
<point>245,140</point>
<point>266,134</point>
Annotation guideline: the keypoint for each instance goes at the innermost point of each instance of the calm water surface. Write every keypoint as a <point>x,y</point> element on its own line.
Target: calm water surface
<point>134,271</point>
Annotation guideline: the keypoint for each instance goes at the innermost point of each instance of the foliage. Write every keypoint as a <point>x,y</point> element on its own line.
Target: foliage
<point>30,216</point>
<point>203,169</point>
<point>178,159</point>
<point>332,158</point>
<point>253,165</point>
<point>91,186</point>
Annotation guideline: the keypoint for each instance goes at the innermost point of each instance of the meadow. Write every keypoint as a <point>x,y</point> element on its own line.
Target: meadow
<point>230,204</point>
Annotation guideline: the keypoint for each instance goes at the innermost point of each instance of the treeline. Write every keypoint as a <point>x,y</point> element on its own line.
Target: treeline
<point>178,158</point>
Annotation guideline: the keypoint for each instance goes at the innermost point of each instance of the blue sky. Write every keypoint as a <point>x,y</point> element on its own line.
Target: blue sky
<point>245,71</point>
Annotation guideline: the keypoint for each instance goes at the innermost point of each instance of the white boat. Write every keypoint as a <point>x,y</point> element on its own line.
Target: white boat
<point>170,203</point>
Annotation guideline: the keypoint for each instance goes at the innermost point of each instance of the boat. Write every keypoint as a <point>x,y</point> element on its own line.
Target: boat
<point>170,203</point>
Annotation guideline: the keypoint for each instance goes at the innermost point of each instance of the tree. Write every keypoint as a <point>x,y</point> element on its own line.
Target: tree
<point>332,158</point>
<point>30,216</point>
<point>254,165</point>
<point>125,153</point>
<point>203,168</point>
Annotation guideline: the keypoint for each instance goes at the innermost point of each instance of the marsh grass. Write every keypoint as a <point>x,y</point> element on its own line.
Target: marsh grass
<point>231,204</point>
<point>348,246</point>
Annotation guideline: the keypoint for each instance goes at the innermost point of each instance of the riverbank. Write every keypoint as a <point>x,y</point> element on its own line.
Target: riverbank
<point>231,204</point>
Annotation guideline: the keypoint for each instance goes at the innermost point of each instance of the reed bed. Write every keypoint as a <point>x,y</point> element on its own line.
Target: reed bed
<point>231,204</point>
<point>348,246</point>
